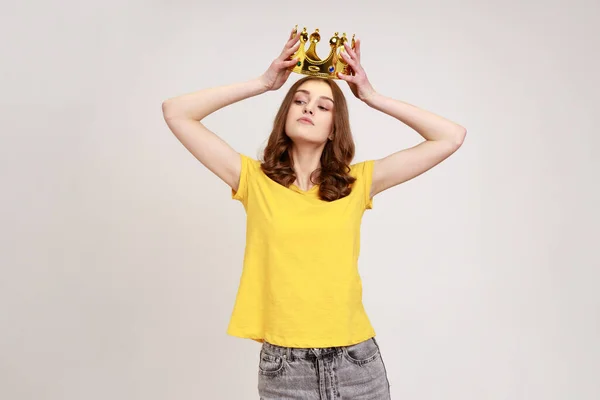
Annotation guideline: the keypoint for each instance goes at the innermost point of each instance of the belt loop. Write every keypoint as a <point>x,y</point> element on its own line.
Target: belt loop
<point>289,353</point>
<point>315,351</point>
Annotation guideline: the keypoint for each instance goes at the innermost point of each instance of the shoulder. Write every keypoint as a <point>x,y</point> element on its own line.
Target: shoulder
<point>249,163</point>
<point>362,169</point>
<point>363,172</point>
<point>250,173</point>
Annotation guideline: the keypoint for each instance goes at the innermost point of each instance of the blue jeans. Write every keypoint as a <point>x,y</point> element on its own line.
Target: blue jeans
<point>332,373</point>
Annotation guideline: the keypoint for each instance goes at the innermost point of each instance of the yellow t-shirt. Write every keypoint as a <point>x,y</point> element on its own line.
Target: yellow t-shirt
<point>300,285</point>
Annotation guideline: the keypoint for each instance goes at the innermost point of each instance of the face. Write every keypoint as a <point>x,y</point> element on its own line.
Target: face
<point>313,100</point>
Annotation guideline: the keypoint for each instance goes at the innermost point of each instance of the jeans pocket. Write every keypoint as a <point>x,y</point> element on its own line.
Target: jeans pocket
<point>270,364</point>
<point>361,353</point>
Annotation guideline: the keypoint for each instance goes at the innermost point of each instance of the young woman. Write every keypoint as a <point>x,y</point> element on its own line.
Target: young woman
<point>300,292</point>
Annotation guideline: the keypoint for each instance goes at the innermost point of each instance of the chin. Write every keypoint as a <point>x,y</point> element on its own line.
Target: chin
<point>300,138</point>
<point>305,135</point>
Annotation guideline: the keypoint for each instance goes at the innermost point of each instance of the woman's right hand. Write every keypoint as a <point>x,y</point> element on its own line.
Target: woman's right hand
<point>281,68</point>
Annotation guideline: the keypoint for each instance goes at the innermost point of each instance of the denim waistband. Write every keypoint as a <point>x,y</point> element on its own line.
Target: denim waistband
<point>305,353</point>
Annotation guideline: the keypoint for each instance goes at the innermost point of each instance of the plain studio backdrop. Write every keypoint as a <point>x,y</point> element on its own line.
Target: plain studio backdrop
<point>121,254</point>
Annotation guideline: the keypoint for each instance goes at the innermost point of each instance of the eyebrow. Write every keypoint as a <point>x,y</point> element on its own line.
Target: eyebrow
<point>322,97</point>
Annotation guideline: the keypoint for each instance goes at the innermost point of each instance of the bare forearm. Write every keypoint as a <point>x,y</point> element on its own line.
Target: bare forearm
<point>426,123</point>
<point>197,105</point>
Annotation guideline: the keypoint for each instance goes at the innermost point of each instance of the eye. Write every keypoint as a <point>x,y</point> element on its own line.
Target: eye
<point>302,101</point>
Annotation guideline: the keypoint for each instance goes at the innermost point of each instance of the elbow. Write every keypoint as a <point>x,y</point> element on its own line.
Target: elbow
<point>173,108</point>
<point>459,137</point>
<point>168,109</point>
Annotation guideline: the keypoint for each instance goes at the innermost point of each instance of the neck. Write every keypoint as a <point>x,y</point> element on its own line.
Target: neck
<point>306,160</point>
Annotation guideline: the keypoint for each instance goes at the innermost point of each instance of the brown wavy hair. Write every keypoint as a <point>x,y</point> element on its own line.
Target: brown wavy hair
<point>333,176</point>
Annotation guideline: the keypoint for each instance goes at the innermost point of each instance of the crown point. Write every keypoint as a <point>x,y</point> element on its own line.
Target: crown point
<point>309,63</point>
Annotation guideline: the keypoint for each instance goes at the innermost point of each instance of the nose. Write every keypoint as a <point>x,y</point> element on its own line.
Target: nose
<point>307,110</point>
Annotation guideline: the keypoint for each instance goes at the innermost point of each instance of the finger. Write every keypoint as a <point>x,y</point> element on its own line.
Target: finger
<point>347,78</point>
<point>289,46</point>
<point>348,59</point>
<point>292,40</point>
<point>355,65</point>
<point>345,55</point>
<point>290,63</point>
<point>287,53</point>
<point>349,50</point>
<point>357,49</point>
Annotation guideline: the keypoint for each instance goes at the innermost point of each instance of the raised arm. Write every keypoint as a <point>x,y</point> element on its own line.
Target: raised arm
<point>183,115</point>
<point>442,136</point>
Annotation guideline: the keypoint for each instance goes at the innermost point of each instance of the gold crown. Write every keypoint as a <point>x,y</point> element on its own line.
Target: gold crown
<point>309,63</point>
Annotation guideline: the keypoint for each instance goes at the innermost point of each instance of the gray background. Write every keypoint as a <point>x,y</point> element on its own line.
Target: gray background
<point>121,254</point>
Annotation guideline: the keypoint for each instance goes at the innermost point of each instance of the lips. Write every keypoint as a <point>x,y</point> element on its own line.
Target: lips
<point>305,120</point>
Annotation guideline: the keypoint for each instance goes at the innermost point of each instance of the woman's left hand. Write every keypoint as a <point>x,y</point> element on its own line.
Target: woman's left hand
<point>359,83</point>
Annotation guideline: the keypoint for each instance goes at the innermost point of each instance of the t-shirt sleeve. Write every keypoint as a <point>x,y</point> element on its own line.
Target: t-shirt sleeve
<point>364,180</point>
<point>241,194</point>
